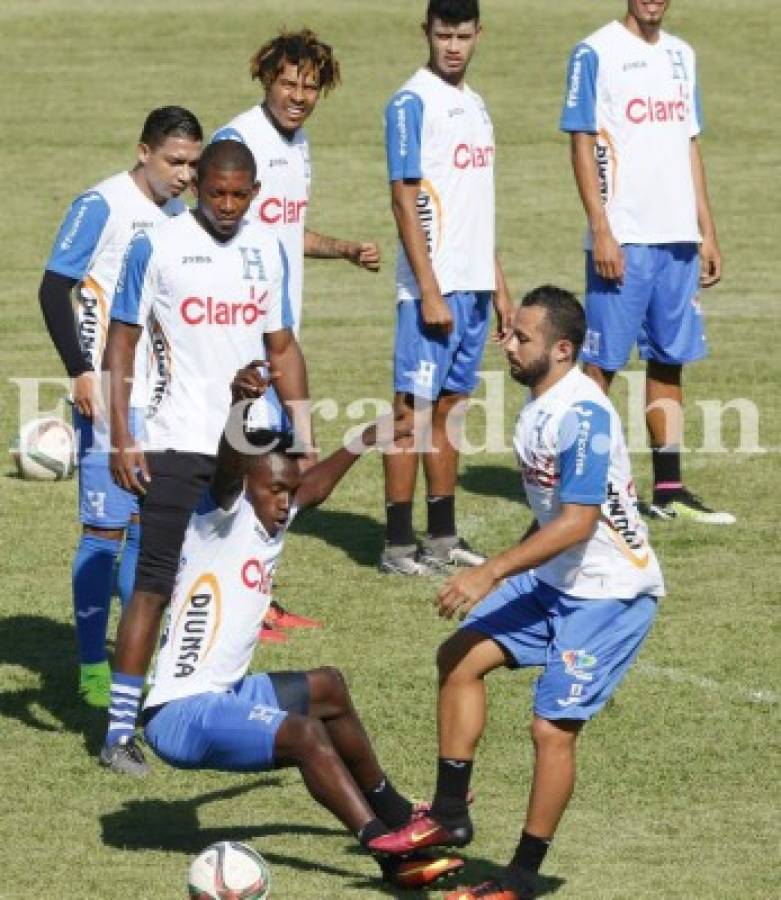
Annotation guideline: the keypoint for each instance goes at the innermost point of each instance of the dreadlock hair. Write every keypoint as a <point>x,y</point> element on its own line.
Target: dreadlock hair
<point>303,50</point>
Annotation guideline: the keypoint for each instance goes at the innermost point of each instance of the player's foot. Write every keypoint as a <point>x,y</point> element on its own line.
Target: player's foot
<point>684,505</point>
<point>283,618</point>
<point>270,634</point>
<point>442,552</point>
<point>420,832</point>
<point>404,560</point>
<point>95,684</point>
<point>125,758</point>
<point>423,807</point>
<point>490,890</point>
<point>419,870</point>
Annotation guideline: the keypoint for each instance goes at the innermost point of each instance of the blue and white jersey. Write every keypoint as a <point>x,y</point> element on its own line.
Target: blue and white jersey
<point>213,303</point>
<point>641,101</point>
<point>221,594</point>
<point>89,247</point>
<point>285,176</point>
<point>570,447</point>
<point>443,136</point>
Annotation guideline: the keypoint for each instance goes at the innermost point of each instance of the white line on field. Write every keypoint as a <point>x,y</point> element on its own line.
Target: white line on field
<point>737,692</point>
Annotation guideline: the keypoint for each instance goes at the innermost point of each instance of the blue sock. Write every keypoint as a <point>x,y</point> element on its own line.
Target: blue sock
<point>93,568</point>
<point>127,565</point>
<point>123,711</point>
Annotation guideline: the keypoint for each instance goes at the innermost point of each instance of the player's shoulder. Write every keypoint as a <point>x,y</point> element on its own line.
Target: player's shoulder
<point>414,90</point>
<point>236,129</point>
<point>584,393</point>
<point>604,39</point>
<point>673,42</point>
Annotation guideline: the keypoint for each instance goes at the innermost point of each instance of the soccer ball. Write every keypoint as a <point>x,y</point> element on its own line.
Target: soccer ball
<point>45,450</point>
<point>229,871</point>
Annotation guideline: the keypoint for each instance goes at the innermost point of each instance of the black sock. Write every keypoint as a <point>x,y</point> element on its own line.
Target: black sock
<point>529,853</point>
<point>370,831</point>
<point>667,470</point>
<point>389,805</point>
<point>398,531</point>
<point>441,516</point>
<point>450,806</point>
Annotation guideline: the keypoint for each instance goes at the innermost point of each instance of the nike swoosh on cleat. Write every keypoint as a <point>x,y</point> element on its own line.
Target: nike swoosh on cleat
<point>417,836</point>
<point>87,613</point>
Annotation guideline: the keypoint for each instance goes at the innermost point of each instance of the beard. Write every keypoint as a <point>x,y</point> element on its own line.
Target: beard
<point>532,373</point>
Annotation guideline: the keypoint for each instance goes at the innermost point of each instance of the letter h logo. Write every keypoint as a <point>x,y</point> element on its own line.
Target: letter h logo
<point>679,66</point>
<point>251,257</point>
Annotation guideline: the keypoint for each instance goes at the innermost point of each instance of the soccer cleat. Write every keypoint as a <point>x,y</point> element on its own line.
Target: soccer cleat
<point>278,616</point>
<point>488,890</point>
<point>420,870</point>
<point>270,634</point>
<point>449,551</point>
<point>95,684</point>
<point>684,505</point>
<point>125,758</point>
<point>421,831</point>
<point>405,560</point>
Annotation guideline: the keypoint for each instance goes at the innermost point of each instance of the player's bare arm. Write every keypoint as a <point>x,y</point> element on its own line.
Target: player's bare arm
<point>503,306</point>
<point>404,198</point>
<point>710,254</point>
<point>286,359</point>
<point>575,524</point>
<point>608,256</point>
<point>364,254</point>
<point>128,459</point>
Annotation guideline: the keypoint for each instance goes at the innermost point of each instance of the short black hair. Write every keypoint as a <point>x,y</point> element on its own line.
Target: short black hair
<point>227,156</point>
<point>455,11</point>
<point>170,121</point>
<point>565,318</point>
<point>268,440</point>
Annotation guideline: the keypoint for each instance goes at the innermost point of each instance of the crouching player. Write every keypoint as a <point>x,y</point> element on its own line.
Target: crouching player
<point>204,711</point>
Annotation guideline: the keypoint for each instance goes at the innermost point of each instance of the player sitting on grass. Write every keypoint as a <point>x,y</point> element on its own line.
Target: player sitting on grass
<point>204,711</point>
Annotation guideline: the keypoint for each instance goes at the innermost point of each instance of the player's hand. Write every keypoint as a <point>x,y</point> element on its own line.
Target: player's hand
<point>463,591</point>
<point>86,394</point>
<point>504,319</point>
<point>608,257</point>
<point>252,381</point>
<point>129,469</point>
<point>710,263</point>
<point>365,255</point>
<point>436,314</point>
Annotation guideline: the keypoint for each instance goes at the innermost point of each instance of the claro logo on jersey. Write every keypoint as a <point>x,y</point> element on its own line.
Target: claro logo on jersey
<point>255,576</point>
<point>470,156</point>
<point>282,211</point>
<point>197,625</point>
<point>642,110</point>
<point>210,311</point>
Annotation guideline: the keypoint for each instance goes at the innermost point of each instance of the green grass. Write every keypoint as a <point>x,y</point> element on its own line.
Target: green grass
<point>677,795</point>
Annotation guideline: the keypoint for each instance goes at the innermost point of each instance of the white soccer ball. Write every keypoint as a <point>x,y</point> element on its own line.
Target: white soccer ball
<point>229,871</point>
<point>45,450</point>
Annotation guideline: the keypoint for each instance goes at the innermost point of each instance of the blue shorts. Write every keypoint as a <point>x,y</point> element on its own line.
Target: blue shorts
<point>231,732</point>
<point>426,361</point>
<point>656,306</point>
<point>584,646</point>
<point>102,503</point>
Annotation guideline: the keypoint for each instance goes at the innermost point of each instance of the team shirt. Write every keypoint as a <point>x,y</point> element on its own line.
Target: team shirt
<point>89,247</point>
<point>213,302</point>
<point>570,447</point>
<point>443,136</point>
<point>285,176</point>
<point>641,101</point>
<point>221,593</point>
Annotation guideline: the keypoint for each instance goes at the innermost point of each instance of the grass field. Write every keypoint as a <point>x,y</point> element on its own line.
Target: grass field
<point>678,792</point>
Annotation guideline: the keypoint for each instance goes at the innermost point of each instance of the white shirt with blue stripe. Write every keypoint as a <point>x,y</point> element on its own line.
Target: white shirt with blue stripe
<point>642,102</point>
<point>443,137</point>
<point>570,447</point>
<point>213,302</point>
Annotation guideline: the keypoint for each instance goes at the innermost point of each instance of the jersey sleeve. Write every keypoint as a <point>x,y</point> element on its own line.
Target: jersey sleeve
<point>280,309</point>
<point>227,134</point>
<point>579,112</point>
<point>403,131</point>
<point>584,454</point>
<point>79,236</point>
<point>698,122</point>
<point>209,516</point>
<point>133,294</point>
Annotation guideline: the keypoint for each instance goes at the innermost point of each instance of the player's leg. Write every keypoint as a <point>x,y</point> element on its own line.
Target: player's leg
<point>672,336</point>
<point>126,575</point>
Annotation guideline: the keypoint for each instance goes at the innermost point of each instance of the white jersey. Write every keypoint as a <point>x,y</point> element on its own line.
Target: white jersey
<point>89,247</point>
<point>570,447</point>
<point>285,176</point>
<point>213,302</point>
<point>443,136</point>
<point>641,101</point>
<point>220,596</point>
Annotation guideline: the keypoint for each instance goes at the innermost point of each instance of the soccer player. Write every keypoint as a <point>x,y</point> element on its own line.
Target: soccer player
<point>204,711</point>
<point>440,151</point>
<point>576,596</point>
<point>632,109</point>
<point>87,254</point>
<point>217,284</point>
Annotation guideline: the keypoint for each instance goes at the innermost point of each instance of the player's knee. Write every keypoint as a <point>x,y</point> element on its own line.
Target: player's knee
<point>451,656</point>
<point>147,603</point>
<point>302,738</point>
<point>550,734</point>
<point>333,686</point>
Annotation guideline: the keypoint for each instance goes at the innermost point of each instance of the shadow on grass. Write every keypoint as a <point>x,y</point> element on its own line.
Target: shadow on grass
<point>493,481</point>
<point>47,648</point>
<point>359,536</point>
